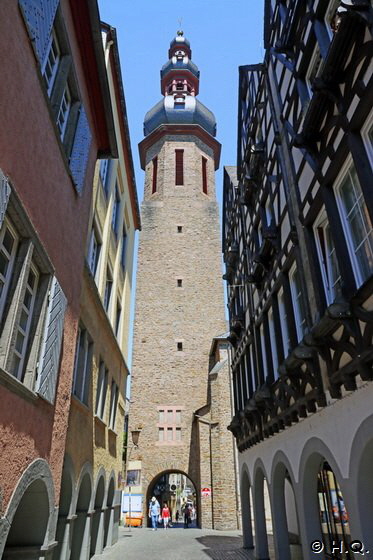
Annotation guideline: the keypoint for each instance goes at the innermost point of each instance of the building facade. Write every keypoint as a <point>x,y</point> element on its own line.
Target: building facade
<point>93,465</point>
<point>299,265</point>
<point>179,300</point>
<point>56,120</point>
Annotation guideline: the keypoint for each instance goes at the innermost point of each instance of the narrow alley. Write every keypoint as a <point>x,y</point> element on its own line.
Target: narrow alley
<point>177,544</point>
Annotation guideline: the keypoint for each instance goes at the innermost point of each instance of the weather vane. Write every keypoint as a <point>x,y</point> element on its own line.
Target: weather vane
<point>180,20</point>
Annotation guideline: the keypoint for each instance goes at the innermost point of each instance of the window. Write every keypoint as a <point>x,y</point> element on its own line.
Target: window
<point>52,59</point>
<point>284,323</point>
<point>154,179</point>
<point>204,175</point>
<point>22,329</point>
<point>180,346</point>
<point>118,316</point>
<point>123,253</point>
<point>115,212</point>
<point>179,86</point>
<point>179,283</point>
<point>113,404</point>
<point>63,112</point>
<point>8,248</point>
<point>179,229</point>
<point>356,224</point>
<point>94,251</point>
<point>47,33</point>
<point>272,336</point>
<point>326,252</point>
<point>169,425</point>
<point>83,365</point>
<point>104,174</point>
<point>102,384</point>
<point>179,167</point>
<point>298,303</point>
<point>108,289</point>
<point>314,68</point>
<point>32,311</point>
<point>263,352</point>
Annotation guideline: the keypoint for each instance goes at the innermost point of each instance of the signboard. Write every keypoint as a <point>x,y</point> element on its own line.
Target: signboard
<point>133,477</point>
<point>206,492</point>
<point>136,503</point>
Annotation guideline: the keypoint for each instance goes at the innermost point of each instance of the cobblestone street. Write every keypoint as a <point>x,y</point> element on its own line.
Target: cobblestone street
<point>178,544</point>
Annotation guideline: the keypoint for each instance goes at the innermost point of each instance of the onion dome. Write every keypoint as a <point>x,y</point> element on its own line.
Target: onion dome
<point>180,86</point>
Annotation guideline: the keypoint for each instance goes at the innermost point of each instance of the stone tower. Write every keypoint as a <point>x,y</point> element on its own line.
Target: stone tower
<point>180,304</point>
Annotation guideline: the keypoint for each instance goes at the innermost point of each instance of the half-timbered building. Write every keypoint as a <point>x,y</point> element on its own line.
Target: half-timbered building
<point>298,249</point>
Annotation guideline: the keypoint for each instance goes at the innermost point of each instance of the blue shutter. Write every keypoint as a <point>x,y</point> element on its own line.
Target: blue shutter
<point>4,195</point>
<point>49,359</point>
<point>80,150</point>
<point>39,16</point>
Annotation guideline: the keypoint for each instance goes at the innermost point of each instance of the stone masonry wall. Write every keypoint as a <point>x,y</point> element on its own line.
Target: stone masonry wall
<point>163,376</point>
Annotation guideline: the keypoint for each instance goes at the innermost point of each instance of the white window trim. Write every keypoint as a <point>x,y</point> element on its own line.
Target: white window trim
<point>62,127</point>
<point>102,385</point>
<point>316,55</point>
<point>341,209</point>
<point>25,332</point>
<point>11,261</point>
<point>87,364</point>
<point>296,305</point>
<point>286,342</point>
<point>368,126</point>
<point>263,351</point>
<point>53,40</point>
<point>272,336</point>
<point>330,290</point>
<point>114,398</point>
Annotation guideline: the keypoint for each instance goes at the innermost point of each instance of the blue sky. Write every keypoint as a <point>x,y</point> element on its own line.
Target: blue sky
<point>224,34</point>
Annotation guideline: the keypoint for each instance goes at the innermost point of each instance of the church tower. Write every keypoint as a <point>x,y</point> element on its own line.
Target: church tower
<point>179,297</point>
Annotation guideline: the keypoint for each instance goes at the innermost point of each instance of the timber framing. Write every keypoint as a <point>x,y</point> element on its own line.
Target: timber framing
<point>305,127</point>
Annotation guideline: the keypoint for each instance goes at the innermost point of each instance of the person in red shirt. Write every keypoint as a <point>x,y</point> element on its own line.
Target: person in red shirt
<point>165,515</point>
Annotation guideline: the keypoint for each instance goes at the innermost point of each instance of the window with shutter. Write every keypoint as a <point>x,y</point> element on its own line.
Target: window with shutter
<point>204,175</point>
<point>179,167</point>
<point>4,195</point>
<point>155,169</point>
<point>49,359</point>
<point>39,17</point>
<point>80,150</point>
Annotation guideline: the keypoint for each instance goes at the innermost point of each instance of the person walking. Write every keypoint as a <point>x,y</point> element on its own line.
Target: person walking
<point>165,515</point>
<point>177,515</point>
<point>187,513</point>
<point>154,510</point>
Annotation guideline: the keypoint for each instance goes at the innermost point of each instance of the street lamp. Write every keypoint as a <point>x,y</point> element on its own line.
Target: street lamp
<point>135,434</point>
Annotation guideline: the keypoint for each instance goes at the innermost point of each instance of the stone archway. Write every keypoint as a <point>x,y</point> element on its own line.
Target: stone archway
<point>81,533</point>
<point>164,487</point>
<point>97,524</point>
<point>246,507</point>
<point>29,514</point>
<point>109,514</point>
<point>64,526</point>
<point>285,511</point>
<point>261,511</point>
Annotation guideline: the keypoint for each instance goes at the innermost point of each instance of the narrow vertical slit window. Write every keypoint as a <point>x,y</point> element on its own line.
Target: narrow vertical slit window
<point>179,167</point>
<point>204,175</point>
<point>155,169</point>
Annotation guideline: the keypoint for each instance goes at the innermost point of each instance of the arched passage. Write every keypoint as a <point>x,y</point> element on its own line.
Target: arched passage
<point>177,490</point>
<point>81,532</point>
<point>63,531</point>
<point>30,521</point>
<point>97,528</point>
<point>246,507</point>
<point>109,514</point>
<point>29,513</point>
<point>262,514</point>
<point>324,509</point>
<point>285,513</point>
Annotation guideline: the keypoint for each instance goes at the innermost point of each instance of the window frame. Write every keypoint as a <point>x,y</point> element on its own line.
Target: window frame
<point>101,391</point>
<point>179,167</point>
<point>169,424</point>
<point>338,184</point>
<point>325,256</point>
<point>114,398</point>
<point>297,301</point>
<point>85,372</point>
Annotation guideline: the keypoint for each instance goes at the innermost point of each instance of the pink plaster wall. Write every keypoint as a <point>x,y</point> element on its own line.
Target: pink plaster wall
<point>31,157</point>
